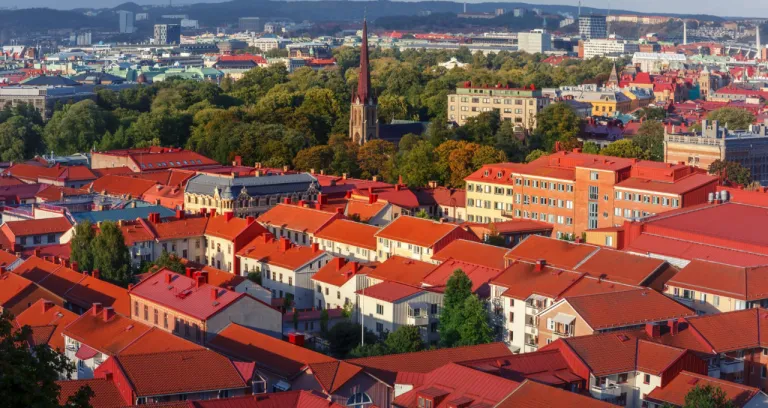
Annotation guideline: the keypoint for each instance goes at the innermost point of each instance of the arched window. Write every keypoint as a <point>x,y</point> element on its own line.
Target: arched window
<point>360,399</point>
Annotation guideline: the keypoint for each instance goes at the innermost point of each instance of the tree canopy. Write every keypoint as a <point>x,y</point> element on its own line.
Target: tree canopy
<point>732,172</point>
<point>734,118</point>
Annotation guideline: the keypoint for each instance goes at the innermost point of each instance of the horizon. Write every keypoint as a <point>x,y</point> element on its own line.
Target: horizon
<point>649,6</point>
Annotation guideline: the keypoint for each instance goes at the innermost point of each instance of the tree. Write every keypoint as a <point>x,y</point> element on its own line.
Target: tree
<point>650,138</point>
<point>652,113</point>
<point>534,155</point>
<point>422,214</point>
<point>473,326</point>
<point>417,165</point>
<point>376,158</point>
<point>732,172</point>
<point>405,339</point>
<point>457,290</point>
<point>707,396</point>
<point>255,277</point>
<point>29,374</point>
<point>295,320</point>
<point>623,148</point>
<point>494,238</point>
<point>344,336</point>
<point>734,118</point>
<point>76,128</point>
<point>591,148</point>
<point>369,350</point>
<point>315,157</point>
<point>81,245</point>
<point>324,321</point>
<point>557,122</point>
<point>111,255</point>
<point>19,139</point>
<point>166,260</point>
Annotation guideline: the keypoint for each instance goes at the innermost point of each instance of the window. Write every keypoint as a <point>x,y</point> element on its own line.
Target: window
<point>646,378</point>
<point>550,324</point>
<point>716,300</point>
<point>358,399</point>
<point>703,298</point>
<point>593,192</point>
<point>146,313</point>
<point>593,175</point>
<point>379,327</point>
<point>608,240</point>
<point>136,309</point>
<point>156,316</point>
<point>763,372</point>
<point>165,320</point>
<point>380,309</point>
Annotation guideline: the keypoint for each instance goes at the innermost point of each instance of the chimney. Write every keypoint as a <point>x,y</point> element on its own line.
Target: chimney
<point>343,176</point>
<point>213,212</point>
<point>199,281</point>
<point>339,262</point>
<point>108,313</point>
<point>432,184</point>
<point>250,219</point>
<point>373,198</point>
<point>37,252</point>
<point>228,215</point>
<point>96,274</point>
<point>375,178</point>
<point>214,293</point>
<point>540,264</point>
<point>315,247</point>
<point>75,267</point>
<point>96,309</point>
<point>203,212</point>
<point>238,161</point>
<point>168,278</point>
<point>286,200</point>
<point>204,275</point>
<point>674,326</point>
<point>397,187</point>
<point>302,203</point>
<point>354,266</point>
<point>653,330</point>
<point>340,211</point>
<point>47,305</point>
<point>286,168</point>
<point>188,271</point>
<point>179,214</point>
<point>348,194</point>
<point>284,244</point>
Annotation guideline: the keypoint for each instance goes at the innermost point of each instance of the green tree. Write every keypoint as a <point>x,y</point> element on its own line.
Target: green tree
<point>535,154</point>
<point>166,260</point>
<point>652,113</point>
<point>315,157</point>
<point>76,128</point>
<point>417,165</point>
<point>557,122</point>
<point>345,336</point>
<point>591,148</point>
<point>29,374</point>
<point>734,118</point>
<point>422,214</point>
<point>473,326</point>
<point>369,350</point>
<point>707,396</point>
<point>650,138</point>
<point>255,277</point>
<point>623,148</point>
<point>732,172</point>
<point>111,255</point>
<point>405,339</point>
<point>458,289</point>
<point>80,245</point>
<point>376,157</point>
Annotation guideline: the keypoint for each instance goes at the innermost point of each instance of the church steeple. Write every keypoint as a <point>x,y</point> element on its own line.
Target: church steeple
<point>363,114</point>
<point>613,79</point>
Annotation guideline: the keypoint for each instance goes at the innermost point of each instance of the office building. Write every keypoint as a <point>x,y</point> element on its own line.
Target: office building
<point>593,27</point>
<point>126,21</point>
<point>255,24</point>
<point>167,34</point>
<point>748,148</point>
<point>520,106</point>
<point>609,47</point>
<point>535,41</point>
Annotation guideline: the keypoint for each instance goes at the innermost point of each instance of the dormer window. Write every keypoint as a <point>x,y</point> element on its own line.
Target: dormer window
<point>425,402</point>
<point>486,173</point>
<point>499,174</point>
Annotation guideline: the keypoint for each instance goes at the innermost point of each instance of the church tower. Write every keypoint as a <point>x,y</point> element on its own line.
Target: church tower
<point>363,114</point>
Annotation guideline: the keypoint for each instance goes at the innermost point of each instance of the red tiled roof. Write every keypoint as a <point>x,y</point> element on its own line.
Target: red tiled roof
<point>38,227</point>
<point>589,285</point>
<point>605,353</point>
<point>180,372</point>
<point>174,228</point>
<point>116,185</point>
<point>273,252</point>
<point>638,306</point>
<point>56,193</point>
<point>296,218</point>
<point>120,171</point>
<point>92,290</point>
<point>675,391</point>
<point>402,270</point>
<point>386,367</point>
<point>621,267</point>
<point>7,258</point>
<point>170,177</point>
<point>220,227</point>
<point>288,399</point>
<point>158,158</point>
<point>679,186</point>
<point>474,252</point>
<point>545,366</point>
<point>53,277</point>
<point>745,283</point>
<point>479,275</point>
<point>332,375</point>
<point>654,358</point>
<point>274,355</point>
<point>216,277</point>
<point>52,318</point>
<point>690,250</point>
<point>365,210</point>
<point>57,172</point>
<point>105,392</point>
<point>718,329</point>
<point>531,394</point>
<point>350,233</point>
<point>523,280</point>
<point>108,337</point>
<point>155,340</point>
<point>182,294</point>
<point>555,252</point>
<point>331,274</point>
<point>417,231</point>
<point>389,291</point>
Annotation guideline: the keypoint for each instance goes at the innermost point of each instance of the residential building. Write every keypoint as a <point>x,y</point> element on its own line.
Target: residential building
<point>114,185</point>
<point>519,106</point>
<point>714,142</point>
<point>47,321</point>
<point>57,175</point>
<point>44,98</point>
<point>225,236</point>
<point>673,393</point>
<point>512,232</point>
<point>182,236</point>
<point>451,203</point>
<point>250,195</point>
<point>576,192</point>
<point>310,322</point>
<point>337,283</point>
<point>609,47</point>
<point>270,42</point>
<point>604,101</point>
<point>189,307</point>
<point>417,238</point>
<point>534,41</point>
<point>18,293</point>
<point>592,27</point>
<point>297,223</point>
<point>126,21</point>
<point>254,24</point>
<point>165,34</point>
<point>286,269</point>
<point>151,159</point>
<point>349,239</point>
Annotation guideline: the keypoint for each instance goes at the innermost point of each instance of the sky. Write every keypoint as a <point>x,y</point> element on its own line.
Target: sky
<point>743,8</point>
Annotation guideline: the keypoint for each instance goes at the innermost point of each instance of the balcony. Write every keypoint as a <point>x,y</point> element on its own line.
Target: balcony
<point>606,392</point>
<point>422,320</point>
<point>731,366</point>
<point>507,214</point>
<point>530,348</point>
<point>531,329</point>
<point>713,371</point>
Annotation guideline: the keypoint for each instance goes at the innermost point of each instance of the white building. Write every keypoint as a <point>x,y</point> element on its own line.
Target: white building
<point>534,41</point>
<point>655,62</point>
<point>126,21</point>
<point>603,47</point>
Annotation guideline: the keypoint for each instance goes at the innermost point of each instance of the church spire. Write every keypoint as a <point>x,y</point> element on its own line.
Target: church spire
<point>364,78</point>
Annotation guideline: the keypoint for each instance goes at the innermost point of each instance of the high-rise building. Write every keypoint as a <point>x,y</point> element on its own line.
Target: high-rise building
<point>535,41</point>
<point>167,34</point>
<point>126,21</point>
<point>255,24</point>
<point>363,115</point>
<point>593,26</point>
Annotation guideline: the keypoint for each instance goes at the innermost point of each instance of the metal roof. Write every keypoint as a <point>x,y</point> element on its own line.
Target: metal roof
<point>253,186</point>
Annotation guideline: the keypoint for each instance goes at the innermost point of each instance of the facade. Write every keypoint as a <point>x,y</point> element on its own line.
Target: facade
<point>609,47</point>
<point>535,41</point>
<point>165,34</point>
<point>225,236</point>
<point>519,106</point>
<point>363,115</point>
<point>246,196</point>
<point>592,27</point>
<point>126,21</point>
<point>417,238</point>
<point>297,223</point>
<point>576,191</point>
<point>182,236</point>
<point>349,239</point>
<point>749,148</point>
<point>35,233</point>
<point>43,98</point>
<point>336,285</point>
<point>254,24</point>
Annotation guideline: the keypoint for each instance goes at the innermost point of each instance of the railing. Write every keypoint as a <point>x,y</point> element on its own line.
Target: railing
<point>731,366</point>
<point>422,320</point>
<point>609,390</point>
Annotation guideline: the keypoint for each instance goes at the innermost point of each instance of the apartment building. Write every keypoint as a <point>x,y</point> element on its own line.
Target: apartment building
<point>35,233</point>
<point>519,106</point>
<point>225,236</point>
<point>297,223</point>
<point>286,269</point>
<point>601,47</point>
<point>189,307</point>
<point>604,101</point>
<point>593,26</point>
<point>349,239</point>
<point>182,235</point>
<point>417,238</point>
<point>576,192</point>
<point>337,283</point>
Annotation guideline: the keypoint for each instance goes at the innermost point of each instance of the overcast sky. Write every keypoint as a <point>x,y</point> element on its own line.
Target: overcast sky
<point>745,8</point>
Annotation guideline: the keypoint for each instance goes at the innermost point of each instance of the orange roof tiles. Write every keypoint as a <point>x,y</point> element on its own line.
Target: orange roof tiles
<point>43,314</point>
<point>589,285</point>
<point>417,231</point>
<point>37,227</point>
<point>174,228</point>
<point>331,274</point>
<point>92,290</point>
<point>531,394</point>
<point>675,391</point>
<point>105,392</point>
<point>116,185</point>
<point>53,277</point>
<point>297,218</point>
<point>389,291</point>
<point>287,399</point>
<point>402,270</point>
<point>745,283</point>
<point>679,186</point>
<point>120,171</point>
<point>34,173</point>
<point>621,267</point>
<point>555,252</point>
<point>350,233</point>
<point>365,210</point>
<point>719,329</point>
<point>479,275</point>
<point>474,252</point>
<point>275,355</point>
<point>280,252</point>
<point>107,336</point>
<point>17,292</point>
<point>220,227</point>
<point>523,280</point>
<point>654,358</point>
<point>605,353</point>
<point>180,372</point>
<point>7,258</point>
<point>332,375</point>
<point>56,193</point>
<point>170,177</point>
<point>155,340</point>
<point>637,307</point>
